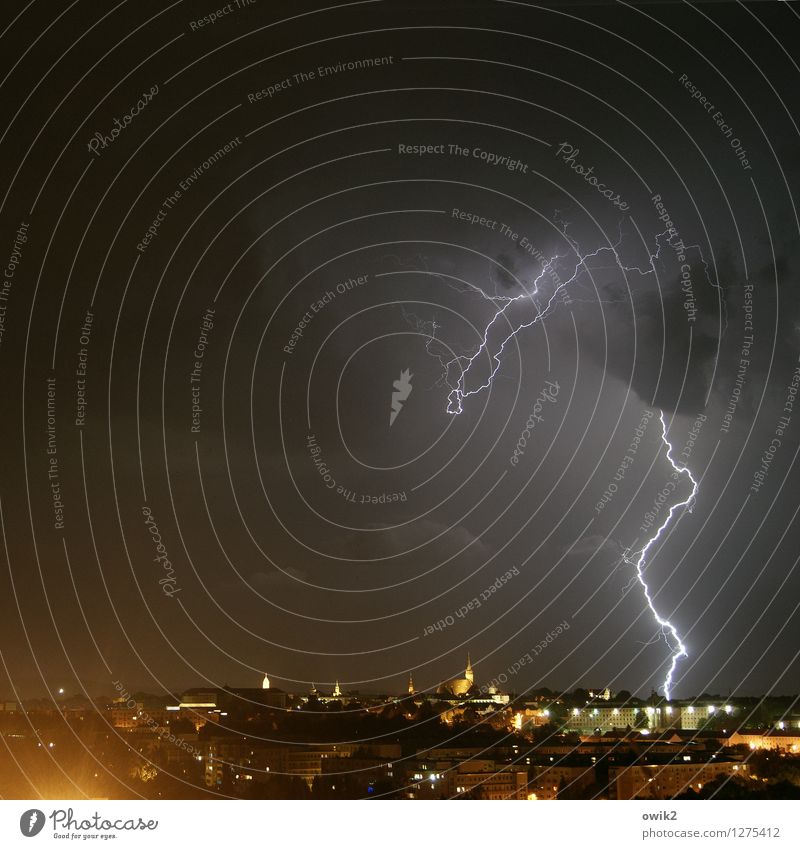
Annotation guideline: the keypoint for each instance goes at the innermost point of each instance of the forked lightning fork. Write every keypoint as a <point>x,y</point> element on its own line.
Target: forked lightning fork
<point>667,628</point>
<point>463,364</point>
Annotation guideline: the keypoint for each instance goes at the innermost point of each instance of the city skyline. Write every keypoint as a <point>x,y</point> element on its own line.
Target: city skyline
<point>396,389</point>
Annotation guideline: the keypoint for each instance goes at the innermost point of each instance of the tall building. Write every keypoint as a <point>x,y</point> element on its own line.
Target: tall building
<point>459,686</point>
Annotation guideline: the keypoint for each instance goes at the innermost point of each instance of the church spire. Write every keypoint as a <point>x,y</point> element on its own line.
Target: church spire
<point>468,674</point>
<point>410,684</point>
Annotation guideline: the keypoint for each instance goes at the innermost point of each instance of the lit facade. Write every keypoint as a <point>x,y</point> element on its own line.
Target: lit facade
<point>666,781</point>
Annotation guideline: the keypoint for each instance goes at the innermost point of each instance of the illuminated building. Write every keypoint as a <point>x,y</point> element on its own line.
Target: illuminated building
<point>336,695</point>
<point>665,781</point>
<point>307,763</point>
<point>547,781</point>
<point>531,718</point>
<point>459,686</point>
<point>448,778</point>
<point>590,719</point>
<point>604,694</point>
<point>696,714</point>
<point>494,783</point>
<point>775,739</point>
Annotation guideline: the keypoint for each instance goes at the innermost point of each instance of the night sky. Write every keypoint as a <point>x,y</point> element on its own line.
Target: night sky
<point>203,316</point>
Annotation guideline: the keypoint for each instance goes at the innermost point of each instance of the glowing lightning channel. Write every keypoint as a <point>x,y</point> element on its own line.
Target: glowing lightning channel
<point>462,364</point>
<point>458,392</point>
<point>668,630</point>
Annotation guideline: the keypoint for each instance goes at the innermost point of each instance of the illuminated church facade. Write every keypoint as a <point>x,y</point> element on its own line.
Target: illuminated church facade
<point>460,686</point>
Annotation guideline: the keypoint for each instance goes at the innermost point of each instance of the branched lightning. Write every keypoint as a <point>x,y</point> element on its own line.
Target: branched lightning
<point>639,560</point>
<point>458,391</point>
<point>456,372</point>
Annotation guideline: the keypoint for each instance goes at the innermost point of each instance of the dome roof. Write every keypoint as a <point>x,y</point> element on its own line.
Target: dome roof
<point>457,686</point>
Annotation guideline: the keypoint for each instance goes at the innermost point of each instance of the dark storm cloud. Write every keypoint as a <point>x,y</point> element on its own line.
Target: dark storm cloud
<point>505,272</point>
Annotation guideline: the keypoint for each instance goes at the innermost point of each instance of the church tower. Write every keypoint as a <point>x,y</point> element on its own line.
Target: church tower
<point>468,674</point>
<point>411,685</point>
<point>265,682</point>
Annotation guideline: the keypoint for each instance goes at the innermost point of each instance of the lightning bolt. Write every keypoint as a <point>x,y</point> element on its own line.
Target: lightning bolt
<point>462,364</point>
<point>639,560</point>
<point>458,391</point>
